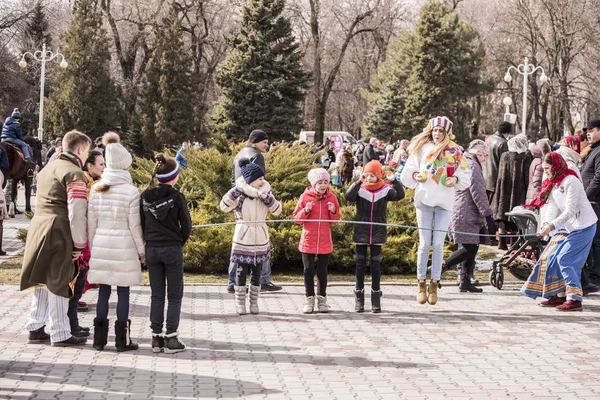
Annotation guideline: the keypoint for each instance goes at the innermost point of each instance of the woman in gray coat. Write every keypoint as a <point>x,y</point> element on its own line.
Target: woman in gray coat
<point>471,214</point>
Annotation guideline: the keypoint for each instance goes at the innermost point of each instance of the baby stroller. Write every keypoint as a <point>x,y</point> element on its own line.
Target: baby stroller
<point>522,255</point>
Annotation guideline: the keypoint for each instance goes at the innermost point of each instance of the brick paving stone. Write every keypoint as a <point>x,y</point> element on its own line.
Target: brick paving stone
<point>495,345</point>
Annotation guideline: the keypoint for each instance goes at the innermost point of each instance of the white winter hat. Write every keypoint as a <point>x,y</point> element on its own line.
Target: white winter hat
<point>115,155</point>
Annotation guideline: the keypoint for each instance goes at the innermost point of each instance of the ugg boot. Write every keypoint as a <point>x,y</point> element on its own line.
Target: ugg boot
<point>240,299</point>
<point>422,292</point>
<point>376,300</point>
<point>359,304</point>
<point>158,342</point>
<point>309,305</point>
<point>433,289</point>
<point>253,297</point>
<point>100,333</point>
<point>173,344</point>
<point>465,282</point>
<point>122,336</point>
<point>322,306</point>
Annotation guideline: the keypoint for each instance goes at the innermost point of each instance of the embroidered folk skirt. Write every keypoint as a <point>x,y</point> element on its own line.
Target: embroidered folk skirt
<point>559,267</point>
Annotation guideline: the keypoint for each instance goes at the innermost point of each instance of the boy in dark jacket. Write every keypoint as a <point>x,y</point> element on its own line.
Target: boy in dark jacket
<point>371,195</point>
<point>167,225</point>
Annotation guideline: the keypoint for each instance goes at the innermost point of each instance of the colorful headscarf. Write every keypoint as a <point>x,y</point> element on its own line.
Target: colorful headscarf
<point>560,170</point>
<point>573,140</point>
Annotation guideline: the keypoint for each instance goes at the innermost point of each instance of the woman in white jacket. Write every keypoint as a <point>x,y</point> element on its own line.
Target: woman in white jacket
<point>116,242</point>
<point>569,215</point>
<point>436,168</point>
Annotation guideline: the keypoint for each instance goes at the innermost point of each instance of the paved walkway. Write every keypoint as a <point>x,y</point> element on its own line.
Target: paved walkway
<point>495,345</point>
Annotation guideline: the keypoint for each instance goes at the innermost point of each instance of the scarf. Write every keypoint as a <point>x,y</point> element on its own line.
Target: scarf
<point>560,171</point>
<point>372,187</point>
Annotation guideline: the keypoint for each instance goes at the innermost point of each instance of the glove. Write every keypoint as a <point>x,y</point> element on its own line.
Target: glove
<point>489,221</point>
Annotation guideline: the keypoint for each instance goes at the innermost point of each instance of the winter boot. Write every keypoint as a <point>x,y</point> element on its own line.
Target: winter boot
<point>240,299</point>
<point>322,306</point>
<point>376,300</point>
<point>465,282</point>
<point>433,295</point>
<point>173,344</point>
<point>502,243</point>
<point>38,336</point>
<point>122,336</point>
<point>158,342</point>
<point>474,280</point>
<point>309,305</point>
<point>359,305</point>
<point>253,297</point>
<point>422,292</point>
<point>100,333</point>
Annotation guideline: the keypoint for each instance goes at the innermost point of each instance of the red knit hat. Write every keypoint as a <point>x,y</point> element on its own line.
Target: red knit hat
<point>374,167</point>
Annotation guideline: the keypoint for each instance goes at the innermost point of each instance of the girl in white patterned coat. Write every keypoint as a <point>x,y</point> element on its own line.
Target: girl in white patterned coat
<point>116,242</point>
<point>251,200</point>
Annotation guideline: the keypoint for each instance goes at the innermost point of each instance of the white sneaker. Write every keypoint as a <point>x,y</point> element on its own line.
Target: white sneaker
<point>309,305</point>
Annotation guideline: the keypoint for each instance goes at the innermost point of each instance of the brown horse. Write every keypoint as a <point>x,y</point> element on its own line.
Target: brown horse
<point>19,170</point>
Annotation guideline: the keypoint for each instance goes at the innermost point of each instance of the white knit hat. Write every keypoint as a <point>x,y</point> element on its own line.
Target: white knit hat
<point>115,155</point>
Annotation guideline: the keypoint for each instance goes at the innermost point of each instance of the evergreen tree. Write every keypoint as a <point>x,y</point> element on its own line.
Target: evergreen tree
<point>167,107</point>
<point>85,97</point>
<point>442,72</point>
<point>262,81</point>
<point>35,35</point>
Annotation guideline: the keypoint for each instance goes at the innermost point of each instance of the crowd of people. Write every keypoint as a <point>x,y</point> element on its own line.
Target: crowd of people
<point>92,227</point>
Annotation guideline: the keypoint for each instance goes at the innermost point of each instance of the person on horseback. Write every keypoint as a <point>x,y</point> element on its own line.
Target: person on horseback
<point>11,132</point>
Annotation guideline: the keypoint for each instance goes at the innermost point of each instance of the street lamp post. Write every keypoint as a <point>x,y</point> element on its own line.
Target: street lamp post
<point>525,69</point>
<point>42,56</point>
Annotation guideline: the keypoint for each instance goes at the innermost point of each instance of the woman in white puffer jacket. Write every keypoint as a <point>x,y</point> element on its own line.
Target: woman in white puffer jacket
<point>116,242</point>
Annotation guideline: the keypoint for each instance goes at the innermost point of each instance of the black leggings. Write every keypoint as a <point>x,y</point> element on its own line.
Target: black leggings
<point>309,273</point>
<point>466,255</point>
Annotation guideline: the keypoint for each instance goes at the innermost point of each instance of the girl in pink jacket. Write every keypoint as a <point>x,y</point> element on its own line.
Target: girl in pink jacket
<point>317,203</point>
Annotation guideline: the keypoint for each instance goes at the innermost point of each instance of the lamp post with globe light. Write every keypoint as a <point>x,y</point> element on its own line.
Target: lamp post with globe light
<point>42,56</point>
<point>524,69</point>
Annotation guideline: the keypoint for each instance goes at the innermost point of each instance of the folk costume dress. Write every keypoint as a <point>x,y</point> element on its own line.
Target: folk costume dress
<point>570,213</point>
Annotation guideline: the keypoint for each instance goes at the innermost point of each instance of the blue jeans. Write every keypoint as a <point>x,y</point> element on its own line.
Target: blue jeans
<point>21,144</point>
<point>122,302</point>
<point>264,274</point>
<point>440,219</point>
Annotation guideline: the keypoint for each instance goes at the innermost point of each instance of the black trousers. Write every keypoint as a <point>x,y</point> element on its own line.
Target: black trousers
<point>77,293</point>
<point>465,255</point>
<point>309,273</point>
<point>165,269</point>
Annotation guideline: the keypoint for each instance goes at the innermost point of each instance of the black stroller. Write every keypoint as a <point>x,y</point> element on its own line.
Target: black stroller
<point>522,255</point>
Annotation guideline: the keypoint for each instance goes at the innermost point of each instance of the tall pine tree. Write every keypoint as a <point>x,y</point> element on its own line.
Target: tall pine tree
<point>262,81</point>
<point>438,73</point>
<point>167,106</point>
<point>85,97</point>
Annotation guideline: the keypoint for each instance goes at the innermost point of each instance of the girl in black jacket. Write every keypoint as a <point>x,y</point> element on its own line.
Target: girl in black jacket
<point>371,195</point>
<point>167,225</point>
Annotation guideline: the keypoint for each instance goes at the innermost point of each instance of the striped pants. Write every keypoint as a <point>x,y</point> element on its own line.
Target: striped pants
<point>46,305</point>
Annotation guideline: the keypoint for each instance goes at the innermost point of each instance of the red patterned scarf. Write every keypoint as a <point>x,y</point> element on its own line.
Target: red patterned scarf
<point>560,170</point>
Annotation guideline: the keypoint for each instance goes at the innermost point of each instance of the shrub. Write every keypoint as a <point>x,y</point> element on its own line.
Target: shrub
<point>208,178</point>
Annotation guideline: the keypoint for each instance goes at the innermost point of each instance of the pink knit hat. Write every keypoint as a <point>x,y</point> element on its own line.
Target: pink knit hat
<point>318,174</point>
